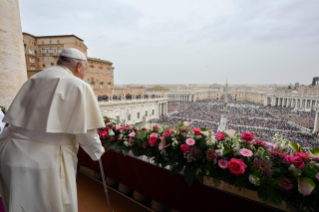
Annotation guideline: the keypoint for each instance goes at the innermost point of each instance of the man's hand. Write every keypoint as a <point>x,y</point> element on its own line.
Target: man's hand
<point>103,150</point>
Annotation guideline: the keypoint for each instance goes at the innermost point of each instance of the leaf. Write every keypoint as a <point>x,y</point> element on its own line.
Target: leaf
<point>294,146</point>
<point>199,170</point>
<point>262,195</point>
<point>176,169</point>
<point>300,148</point>
<point>108,147</point>
<point>126,152</point>
<point>189,175</point>
<point>277,201</point>
<point>200,178</point>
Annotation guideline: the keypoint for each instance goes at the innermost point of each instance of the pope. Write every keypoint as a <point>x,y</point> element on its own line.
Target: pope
<point>54,112</point>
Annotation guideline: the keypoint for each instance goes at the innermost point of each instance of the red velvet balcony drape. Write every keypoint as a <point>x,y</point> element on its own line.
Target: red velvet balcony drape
<point>1,206</point>
<point>157,184</point>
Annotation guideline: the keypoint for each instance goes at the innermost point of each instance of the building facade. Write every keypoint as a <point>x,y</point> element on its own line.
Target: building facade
<point>132,111</point>
<point>42,52</point>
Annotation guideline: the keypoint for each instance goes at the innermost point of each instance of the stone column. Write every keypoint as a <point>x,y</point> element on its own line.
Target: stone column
<point>316,124</point>
<point>13,71</point>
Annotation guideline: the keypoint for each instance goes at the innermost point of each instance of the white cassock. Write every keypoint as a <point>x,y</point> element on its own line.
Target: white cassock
<point>51,115</point>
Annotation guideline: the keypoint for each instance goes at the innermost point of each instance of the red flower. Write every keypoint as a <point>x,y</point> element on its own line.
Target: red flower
<point>296,160</point>
<point>285,183</point>
<point>220,136</point>
<point>303,155</point>
<point>185,148</point>
<point>144,145</point>
<point>122,128</point>
<point>259,143</point>
<point>118,138</point>
<point>236,166</point>
<point>144,129</point>
<point>112,139</point>
<point>155,128</point>
<point>153,139</point>
<point>247,136</point>
<point>106,128</point>
<point>166,134</point>
<point>103,135</point>
<point>197,131</point>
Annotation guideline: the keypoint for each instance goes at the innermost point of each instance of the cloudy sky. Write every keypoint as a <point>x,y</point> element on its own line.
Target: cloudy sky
<point>188,41</point>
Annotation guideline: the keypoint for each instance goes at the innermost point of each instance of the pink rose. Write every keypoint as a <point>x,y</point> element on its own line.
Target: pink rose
<point>296,160</point>
<point>303,155</point>
<point>220,136</point>
<point>197,131</point>
<point>236,166</point>
<point>270,144</point>
<point>247,136</point>
<point>190,141</point>
<point>153,139</point>
<point>109,123</point>
<point>223,163</point>
<point>246,152</point>
<point>155,128</point>
<point>185,148</point>
<point>103,135</point>
<point>132,134</point>
<point>285,183</point>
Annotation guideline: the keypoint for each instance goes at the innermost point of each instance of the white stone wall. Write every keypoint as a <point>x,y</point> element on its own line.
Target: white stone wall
<point>122,108</point>
<point>12,61</point>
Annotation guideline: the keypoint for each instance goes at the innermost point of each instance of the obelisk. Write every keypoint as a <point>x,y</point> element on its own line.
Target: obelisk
<point>12,61</point>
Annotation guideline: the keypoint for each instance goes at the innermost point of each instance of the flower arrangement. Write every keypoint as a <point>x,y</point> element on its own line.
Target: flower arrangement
<point>279,171</point>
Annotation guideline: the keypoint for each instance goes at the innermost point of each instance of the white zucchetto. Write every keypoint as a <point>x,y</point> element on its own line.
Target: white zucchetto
<point>73,53</point>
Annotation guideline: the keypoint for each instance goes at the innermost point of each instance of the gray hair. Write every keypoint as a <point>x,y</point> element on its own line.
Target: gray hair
<point>69,61</point>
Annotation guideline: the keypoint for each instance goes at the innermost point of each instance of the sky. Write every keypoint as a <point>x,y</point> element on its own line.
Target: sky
<point>188,41</point>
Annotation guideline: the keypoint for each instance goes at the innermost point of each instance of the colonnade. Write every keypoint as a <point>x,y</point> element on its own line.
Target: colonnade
<point>181,97</point>
<point>307,103</point>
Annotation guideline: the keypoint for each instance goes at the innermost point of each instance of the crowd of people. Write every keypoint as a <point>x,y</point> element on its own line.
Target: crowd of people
<point>262,121</point>
<point>302,118</point>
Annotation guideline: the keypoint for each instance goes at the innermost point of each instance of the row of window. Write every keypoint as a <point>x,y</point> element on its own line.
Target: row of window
<point>101,70</point>
<point>58,42</point>
<point>137,115</point>
<point>51,50</point>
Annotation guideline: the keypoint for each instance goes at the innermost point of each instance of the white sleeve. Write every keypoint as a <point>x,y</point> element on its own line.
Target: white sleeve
<point>91,144</point>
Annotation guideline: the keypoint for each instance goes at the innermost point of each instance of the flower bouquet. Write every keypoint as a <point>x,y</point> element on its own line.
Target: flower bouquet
<point>278,171</point>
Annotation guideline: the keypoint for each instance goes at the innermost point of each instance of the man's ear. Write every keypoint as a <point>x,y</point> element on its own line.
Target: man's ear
<point>79,67</point>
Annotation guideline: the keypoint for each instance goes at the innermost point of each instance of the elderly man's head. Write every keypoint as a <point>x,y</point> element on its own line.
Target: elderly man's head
<point>74,60</point>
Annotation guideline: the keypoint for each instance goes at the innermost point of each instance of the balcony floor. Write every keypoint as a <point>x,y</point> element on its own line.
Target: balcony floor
<point>91,197</point>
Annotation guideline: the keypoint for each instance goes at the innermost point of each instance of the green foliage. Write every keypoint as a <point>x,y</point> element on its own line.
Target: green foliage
<point>159,88</point>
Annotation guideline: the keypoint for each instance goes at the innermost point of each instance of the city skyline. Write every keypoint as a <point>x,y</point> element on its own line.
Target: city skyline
<point>190,42</point>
